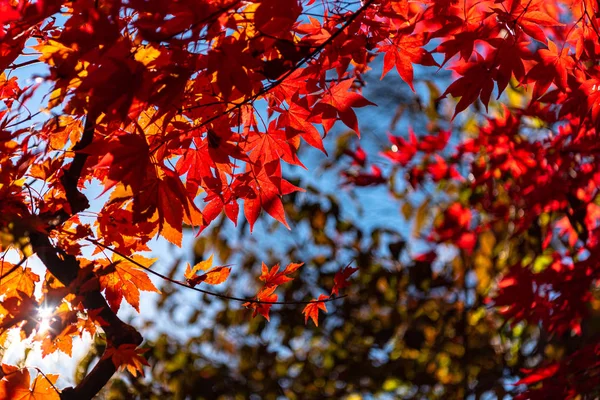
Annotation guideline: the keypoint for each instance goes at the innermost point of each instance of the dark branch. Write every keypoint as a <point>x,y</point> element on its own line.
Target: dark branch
<point>67,270</point>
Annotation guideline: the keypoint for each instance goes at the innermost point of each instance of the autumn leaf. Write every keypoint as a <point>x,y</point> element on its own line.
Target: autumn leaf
<point>125,159</point>
<point>214,276</point>
<point>554,66</point>
<point>15,385</point>
<point>405,51</point>
<point>127,356</point>
<point>362,179</point>
<point>272,277</point>
<point>342,100</point>
<point>201,266</point>
<point>298,119</point>
<point>124,279</point>
<point>268,187</point>
<point>402,151</point>
<point>265,294</point>
<point>21,279</point>
<point>477,81</point>
<point>340,280</point>
<point>312,310</point>
<point>274,145</point>
<point>63,341</point>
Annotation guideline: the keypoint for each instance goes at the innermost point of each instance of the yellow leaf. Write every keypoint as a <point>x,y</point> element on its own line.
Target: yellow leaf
<point>146,54</point>
<point>51,51</point>
<point>217,275</point>
<point>203,265</point>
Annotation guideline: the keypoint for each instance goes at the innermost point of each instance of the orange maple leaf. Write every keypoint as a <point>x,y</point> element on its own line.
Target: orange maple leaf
<point>21,279</point>
<point>273,277</point>
<point>123,279</point>
<point>15,384</point>
<point>127,356</point>
<point>214,276</point>
<point>312,310</point>
<point>62,341</point>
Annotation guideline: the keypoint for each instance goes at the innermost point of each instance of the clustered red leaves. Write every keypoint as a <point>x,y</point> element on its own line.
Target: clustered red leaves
<point>157,102</point>
<point>272,278</point>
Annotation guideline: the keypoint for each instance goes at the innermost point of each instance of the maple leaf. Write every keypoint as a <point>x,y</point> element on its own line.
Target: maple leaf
<point>463,43</point>
<point>434,143</point>
<point>591,88</point>
<point>275,17</point>
<point>62,342</point>
<point>21,279</point>
<point>214,276</point>
<point>165,194</point>
<point>126,160</point>
<point>510,55</point>
<point>124,279</point>
<point>17,307</point>
<point>340,280</point>
<point>273,145</point>
<point>268,187</point>
<point>553,67</point>
<point>477,81</point>
<point>15,385</point>
<point>439,170</point>
<point>298,119</point>
<point>265,294</point>
<point>405,51</point>
<point>273,277</point>
<point>127,356</point>
<point>528,16</point>
<point>312,310</point>
<point>401,150</point>
<point>342,99</point>
<point>359,157</point>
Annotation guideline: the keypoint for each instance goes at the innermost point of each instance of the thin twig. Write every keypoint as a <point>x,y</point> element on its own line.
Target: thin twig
<point>222,296</point>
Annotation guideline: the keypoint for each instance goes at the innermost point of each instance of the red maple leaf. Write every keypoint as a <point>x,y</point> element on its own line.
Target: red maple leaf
<point>477,81</point>
<point>341,99</point>
<point>405,51</point>
<point>340,280</point>
<point>265,294</point>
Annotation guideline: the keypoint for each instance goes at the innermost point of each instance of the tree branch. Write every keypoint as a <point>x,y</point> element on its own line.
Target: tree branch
<point>219,295</point>
<point>67,269</point>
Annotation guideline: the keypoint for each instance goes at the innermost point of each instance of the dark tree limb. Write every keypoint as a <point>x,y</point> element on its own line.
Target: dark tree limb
<point>67,270</point>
